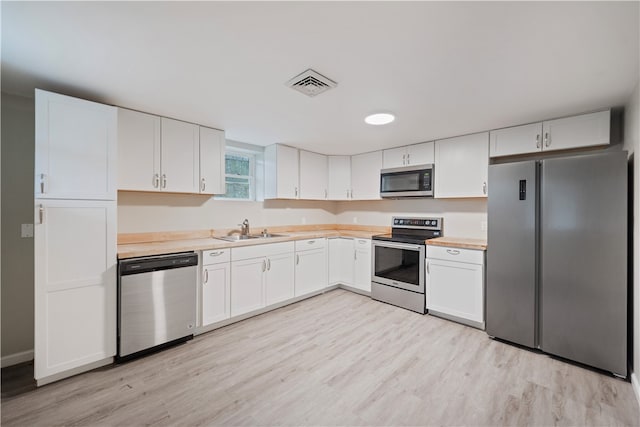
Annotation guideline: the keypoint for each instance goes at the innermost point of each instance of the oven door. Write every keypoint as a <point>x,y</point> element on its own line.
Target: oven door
<point>400,265</point>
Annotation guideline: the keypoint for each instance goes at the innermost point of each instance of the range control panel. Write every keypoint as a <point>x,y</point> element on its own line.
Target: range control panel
<point>425,223</point>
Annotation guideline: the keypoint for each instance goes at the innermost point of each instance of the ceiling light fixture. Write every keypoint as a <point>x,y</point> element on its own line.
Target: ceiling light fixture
<point>379,119</point>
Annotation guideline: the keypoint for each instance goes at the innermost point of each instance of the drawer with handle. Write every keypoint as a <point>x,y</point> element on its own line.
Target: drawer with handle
<point>471,256</point>
<point>215,256</point>
<point>310,244</point>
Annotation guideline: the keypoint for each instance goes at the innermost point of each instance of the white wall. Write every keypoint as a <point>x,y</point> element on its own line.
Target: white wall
<point>462,217</point>
<point>632,144</point>
<point>145,212</point>
<point>18,141</point>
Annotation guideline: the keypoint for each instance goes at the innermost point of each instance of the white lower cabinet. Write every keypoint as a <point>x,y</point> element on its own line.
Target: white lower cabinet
<point>279,278</point>
<point>75,286</point>
<point>455,284</point>
<point>215,297</point>
<point>311,266</point>
<point>261,275</point>
<point>362,264</point>
<point>341,261</point>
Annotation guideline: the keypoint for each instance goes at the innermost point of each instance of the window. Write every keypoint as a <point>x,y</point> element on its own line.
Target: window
<point>239,175</point>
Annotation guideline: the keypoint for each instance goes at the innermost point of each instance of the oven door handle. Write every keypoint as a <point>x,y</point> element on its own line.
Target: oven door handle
<point>395,245</point>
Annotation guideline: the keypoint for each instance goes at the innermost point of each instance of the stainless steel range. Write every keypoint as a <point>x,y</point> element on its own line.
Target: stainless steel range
<point>398,262</point>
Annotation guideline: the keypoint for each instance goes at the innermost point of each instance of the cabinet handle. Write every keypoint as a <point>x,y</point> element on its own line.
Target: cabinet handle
<point>296,188</point>
<point>453,251</point>
<point>311,242</point>
<point>355,255</point>
<point>268,263</point>
<point>347,194</point>
<point>538,141</point>
<point>264,266</point>
<point>325,193</point>
<point>204,185</point>
<point>217,253</point>
<point>41,214</point>
<point>409,158</point>
<point>206,276</point>
<point>43,177</point>
<point>156,180</point>
<point>164,181</point>
<point>297,259</point>
<point>547,139</point>
<point>484,187</point>
<point>428,267</point>
<point>404,159</point>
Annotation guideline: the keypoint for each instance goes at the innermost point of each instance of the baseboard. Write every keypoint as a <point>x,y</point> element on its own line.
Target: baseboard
<point>74,371</point>
<point>636,386</point>
<point>15,358</point>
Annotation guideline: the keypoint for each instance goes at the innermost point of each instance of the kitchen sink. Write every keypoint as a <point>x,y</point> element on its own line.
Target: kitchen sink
<point>240,237</point>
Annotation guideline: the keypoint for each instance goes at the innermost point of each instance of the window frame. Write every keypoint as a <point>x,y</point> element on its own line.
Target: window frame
<point>234,151</point>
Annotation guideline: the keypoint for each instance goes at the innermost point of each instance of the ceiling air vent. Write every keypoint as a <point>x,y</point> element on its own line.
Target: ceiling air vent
<point>311,83</point>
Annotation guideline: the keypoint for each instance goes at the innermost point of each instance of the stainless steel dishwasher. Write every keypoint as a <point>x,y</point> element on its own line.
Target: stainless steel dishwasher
<point>156,302</point>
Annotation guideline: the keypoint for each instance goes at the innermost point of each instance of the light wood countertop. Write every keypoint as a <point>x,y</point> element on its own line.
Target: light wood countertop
<point>458,242</point>
<point>173,243</point>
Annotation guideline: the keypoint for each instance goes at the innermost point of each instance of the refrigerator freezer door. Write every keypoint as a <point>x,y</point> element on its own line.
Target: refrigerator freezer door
<point>584,259</point>
<point>511,253</point>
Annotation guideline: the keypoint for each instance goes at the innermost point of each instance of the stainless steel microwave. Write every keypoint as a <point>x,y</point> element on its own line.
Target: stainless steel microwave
<point>407,181</point>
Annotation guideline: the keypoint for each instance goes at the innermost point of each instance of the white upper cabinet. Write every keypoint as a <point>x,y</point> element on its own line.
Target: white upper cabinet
<point>516,140</point>
<point>365,176</point>
<point>417,154</point>
<point>339,177</point>
<point>313,176</point>
<point>212,164</point>
<point>585,130</point>
<point>180,160</point>
<point>138,151</point>
<point>75,148</point>
<point>461,166</point>
<point>281,172</point>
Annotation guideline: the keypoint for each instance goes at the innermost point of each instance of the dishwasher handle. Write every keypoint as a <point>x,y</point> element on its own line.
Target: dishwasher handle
<point>157,263</point>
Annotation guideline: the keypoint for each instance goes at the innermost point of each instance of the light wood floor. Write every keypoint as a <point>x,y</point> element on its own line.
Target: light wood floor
<point>335,359</point>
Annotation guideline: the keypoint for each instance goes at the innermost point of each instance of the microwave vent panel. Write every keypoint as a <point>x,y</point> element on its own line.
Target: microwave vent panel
<point>311,83</point>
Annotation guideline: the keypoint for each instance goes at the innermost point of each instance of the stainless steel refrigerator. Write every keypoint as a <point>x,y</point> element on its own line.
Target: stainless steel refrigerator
<point>557,257</point>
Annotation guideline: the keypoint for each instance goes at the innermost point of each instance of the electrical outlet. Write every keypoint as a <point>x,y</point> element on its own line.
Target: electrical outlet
<point>483,225</point>
<point>26,230</point>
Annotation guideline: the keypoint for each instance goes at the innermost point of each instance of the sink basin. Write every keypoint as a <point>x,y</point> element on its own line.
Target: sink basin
<point>236,238</point>
<point>267,235</point>
<point>240,237</point>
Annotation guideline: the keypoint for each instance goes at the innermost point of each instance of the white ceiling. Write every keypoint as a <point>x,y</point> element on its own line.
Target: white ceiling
<point>444,69</point>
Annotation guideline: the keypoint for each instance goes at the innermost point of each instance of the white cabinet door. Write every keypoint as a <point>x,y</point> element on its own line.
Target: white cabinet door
<point>585,130</point>
<point>420,154</point>
<point>247,290</point>
<point>456,289</point>
<point>216,293</point>
<point>365,176</point>
<point>313,176</point>
<point>461,166</point>
<point>362,264</point>
<point>180,164</point>
<point>75,148</point>
<point>279,283</point>
<point>347,261</point>
<point>75,284</point>
<point>335,255</point>
<point>311,271</point>
<point>138,151</point>
<point>212,163</point>
<point>280,172</point>
<point>516,140</point>
<point>394,157</point>
<point>339,178</point>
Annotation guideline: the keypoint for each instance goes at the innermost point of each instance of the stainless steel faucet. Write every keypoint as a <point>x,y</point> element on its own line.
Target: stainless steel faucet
<point>245,227</point>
